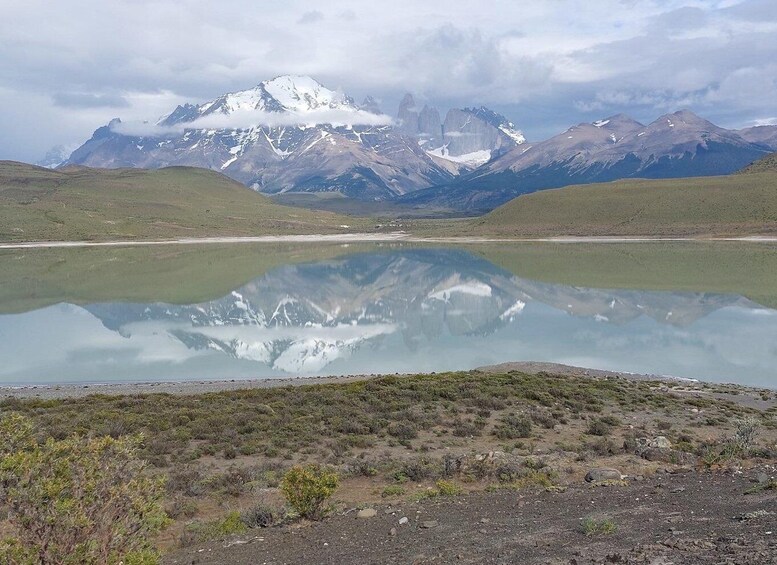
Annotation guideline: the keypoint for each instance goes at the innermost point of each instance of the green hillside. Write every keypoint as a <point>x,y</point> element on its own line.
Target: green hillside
<point>766,165</point>
<point>741,204</point>
<point>101,204</point>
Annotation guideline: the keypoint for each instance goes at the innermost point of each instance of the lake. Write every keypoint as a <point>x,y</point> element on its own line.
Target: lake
<point>240,311</point>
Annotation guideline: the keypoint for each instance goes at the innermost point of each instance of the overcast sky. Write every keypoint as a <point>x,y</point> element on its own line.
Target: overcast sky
<point>67,68</point>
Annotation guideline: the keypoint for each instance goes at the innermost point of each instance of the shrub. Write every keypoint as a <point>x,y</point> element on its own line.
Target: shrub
<point>466,428</point>
<point>599,428</point>
<point>745,434</point>
<point>307,488</point>
<point>513,426</point>
<point>403,430</point>
<point>90,500</point>
<point>447,488</point>
<point>392,490</point>
<point>181,508</point>
<point>417,469</point>
<point>543,418</point>
<point>258,517</point>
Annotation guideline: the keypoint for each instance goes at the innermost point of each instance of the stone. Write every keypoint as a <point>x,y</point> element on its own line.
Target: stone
<point>403,520</point>
<point>393,531</point>
<point>426,524</point>
<point>367,513</point>
<point>660,442</point>
<point>603,474</point>
<point>658,454</point>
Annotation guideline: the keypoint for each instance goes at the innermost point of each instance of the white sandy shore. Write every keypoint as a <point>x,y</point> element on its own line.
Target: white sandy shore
<point>373,238</point>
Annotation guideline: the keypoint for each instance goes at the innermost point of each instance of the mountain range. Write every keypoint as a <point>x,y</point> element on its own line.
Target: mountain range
<point>292,134</point>
<point>675,145</point>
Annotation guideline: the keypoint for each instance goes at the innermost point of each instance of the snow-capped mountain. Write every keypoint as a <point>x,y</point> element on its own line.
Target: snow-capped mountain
<point>288,133</point>
<point>680,144</point>
<point>304,318</point>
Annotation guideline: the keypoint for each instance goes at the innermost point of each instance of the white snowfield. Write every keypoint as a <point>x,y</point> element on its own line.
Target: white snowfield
<point>373,238</point>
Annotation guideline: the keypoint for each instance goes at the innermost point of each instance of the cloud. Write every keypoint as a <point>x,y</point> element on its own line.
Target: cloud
<point>83,100</point>
<point>543,64</point>
<point>246,119</point>
<point>311,17</point>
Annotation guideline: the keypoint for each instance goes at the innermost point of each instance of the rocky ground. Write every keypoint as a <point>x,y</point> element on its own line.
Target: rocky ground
<point>673,517</point>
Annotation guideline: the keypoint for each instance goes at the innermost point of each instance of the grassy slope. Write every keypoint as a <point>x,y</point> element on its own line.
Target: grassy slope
<point>764,165</point>
<point>99,204</point>
<point>736,205</point>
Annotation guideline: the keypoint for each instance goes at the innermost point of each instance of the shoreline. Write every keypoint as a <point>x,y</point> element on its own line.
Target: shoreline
<point>195,387</point>
<point>382,238</point>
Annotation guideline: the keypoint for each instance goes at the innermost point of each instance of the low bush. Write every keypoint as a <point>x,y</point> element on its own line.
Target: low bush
<point>259,516</point>
<point>513,426</point>
<point>599,427</point>
<point>598,526</point>
<point>307,489</point>
<point>447,488</point>
<point>199,532</point>
<point>392,490</point>
<point>403,430</point>
<point>77,500</point>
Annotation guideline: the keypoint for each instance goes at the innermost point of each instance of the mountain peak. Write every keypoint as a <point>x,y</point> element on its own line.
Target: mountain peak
<point>683,118</point>
<point>407,104</point>
<point>370,105</point>
<point>617,121</point>
<point>302,93</point>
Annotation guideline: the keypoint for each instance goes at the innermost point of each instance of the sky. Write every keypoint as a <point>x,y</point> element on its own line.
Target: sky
<point>67,68</point>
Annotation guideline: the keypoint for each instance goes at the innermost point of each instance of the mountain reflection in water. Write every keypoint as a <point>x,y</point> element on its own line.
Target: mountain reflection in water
<point>393,311</point>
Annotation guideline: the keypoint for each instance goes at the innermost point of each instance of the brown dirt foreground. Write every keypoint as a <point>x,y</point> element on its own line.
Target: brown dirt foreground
<point>675,518</point>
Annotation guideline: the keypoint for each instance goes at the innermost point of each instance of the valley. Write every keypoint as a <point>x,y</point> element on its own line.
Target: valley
<point>369,283</point>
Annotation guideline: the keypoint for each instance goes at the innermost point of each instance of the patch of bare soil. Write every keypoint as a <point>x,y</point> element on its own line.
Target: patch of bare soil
<point>671,518</point>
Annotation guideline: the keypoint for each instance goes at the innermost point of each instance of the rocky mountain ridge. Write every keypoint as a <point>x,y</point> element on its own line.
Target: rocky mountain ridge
<point>680,144</point>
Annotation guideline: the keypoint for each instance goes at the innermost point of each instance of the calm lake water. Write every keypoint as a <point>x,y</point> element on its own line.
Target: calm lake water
<point>237,312</point>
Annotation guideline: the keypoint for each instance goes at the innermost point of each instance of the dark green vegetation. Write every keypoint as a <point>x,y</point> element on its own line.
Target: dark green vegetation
<point>741,204</point>
<point>227,452</point>
<point>335,420</point>
<point>39,204</point>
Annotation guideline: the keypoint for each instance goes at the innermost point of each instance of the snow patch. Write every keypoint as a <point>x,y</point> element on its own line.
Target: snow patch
<point>474,159</point>
<point>513,310</point>
<point>472,288</point>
